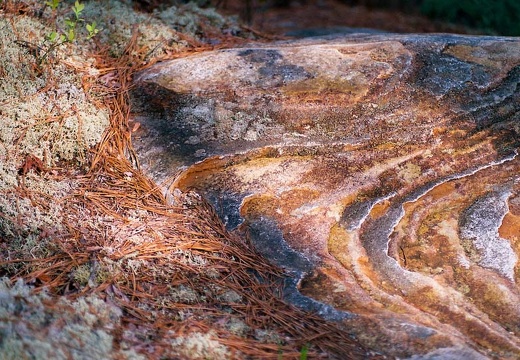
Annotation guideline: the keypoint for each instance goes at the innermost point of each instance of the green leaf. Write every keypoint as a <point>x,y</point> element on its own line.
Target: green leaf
<point>71,24</point>
<point>71,35</point>
<point>52,36</point>
<point>304,352</point>
<point>53,4</point>
<point>78,8</point>
<point>92,30</point>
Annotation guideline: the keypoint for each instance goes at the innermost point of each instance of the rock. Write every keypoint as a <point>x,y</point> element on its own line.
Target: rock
<point>450,354</point>
<point>379,170</point>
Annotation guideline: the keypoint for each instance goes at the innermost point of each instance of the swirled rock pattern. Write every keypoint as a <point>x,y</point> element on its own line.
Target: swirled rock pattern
<point>379,171</point>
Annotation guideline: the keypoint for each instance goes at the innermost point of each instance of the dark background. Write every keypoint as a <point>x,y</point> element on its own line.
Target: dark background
<point>494,17</point>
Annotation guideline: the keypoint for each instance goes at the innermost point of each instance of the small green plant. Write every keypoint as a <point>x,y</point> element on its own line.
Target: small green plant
<point>92,30</point>
<point>53,4</point>
<point>78,8</point>
<point>304,352</point>
<point>71,24</point>
<point>56,38</point>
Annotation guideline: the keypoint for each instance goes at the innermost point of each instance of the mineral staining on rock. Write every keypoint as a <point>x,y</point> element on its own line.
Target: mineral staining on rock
<point>379,171</point>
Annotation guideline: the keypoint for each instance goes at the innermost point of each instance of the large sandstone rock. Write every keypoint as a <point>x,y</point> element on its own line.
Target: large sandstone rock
<point>379,171</point>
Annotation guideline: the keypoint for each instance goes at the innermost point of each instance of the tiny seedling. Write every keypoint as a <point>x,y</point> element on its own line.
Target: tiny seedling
<point>72,24</point>
<point>56,38</point>
<point>92,30</point>
<point>53,4</point>
<point>77,9</point>
<point>304,352</point>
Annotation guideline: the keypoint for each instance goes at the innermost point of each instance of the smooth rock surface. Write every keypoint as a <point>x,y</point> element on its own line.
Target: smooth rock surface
<point>379,170</point>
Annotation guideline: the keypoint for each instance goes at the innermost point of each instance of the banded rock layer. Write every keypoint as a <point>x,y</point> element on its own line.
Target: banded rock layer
<point>379,171</point>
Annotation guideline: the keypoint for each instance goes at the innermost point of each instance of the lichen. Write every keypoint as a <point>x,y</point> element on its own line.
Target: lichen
<point>185,294</point>
<point>38,327</point>
<point>82,274</point>
<point>199,346</point>
<point>230,296</point>
<point>189,18</point>
<point>45,112</point>
<point>159,33</point>
<point>237,327</point>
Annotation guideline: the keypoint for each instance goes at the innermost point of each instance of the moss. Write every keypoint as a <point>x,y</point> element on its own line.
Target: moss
<point>82,275</point>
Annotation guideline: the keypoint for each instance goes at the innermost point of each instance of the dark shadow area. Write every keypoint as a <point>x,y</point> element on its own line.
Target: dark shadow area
<point>494,17</point>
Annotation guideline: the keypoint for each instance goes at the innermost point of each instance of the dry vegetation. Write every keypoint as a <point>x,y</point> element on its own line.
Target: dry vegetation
<point>106,261</point>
